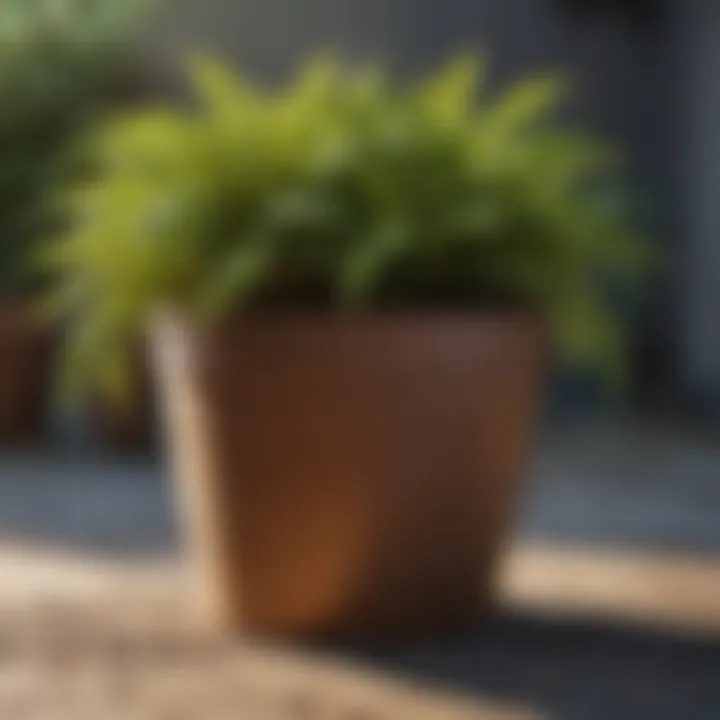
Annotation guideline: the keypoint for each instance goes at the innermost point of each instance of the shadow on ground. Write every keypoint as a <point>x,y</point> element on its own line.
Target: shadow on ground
<point>570,669</point>
<point>651,490</point>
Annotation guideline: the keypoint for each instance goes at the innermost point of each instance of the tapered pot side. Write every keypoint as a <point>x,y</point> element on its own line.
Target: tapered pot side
<point>349,474</point>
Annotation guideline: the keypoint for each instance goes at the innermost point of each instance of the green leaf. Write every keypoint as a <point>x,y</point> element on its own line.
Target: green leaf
<point>365,265</point>
<point>449,97</point>
<point>235,277</point>
<point>525,105</point>
<point>221,92</point>
<point>319,78</point>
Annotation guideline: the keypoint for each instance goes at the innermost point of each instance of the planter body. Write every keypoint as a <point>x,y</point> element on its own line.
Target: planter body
<point>349,475</point>
<point>25,375</point>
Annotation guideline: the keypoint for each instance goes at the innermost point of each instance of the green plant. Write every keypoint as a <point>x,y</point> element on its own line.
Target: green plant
<point>60,61</point>
<point>342,191</point>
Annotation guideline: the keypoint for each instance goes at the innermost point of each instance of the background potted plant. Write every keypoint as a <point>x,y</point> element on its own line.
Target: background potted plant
<point>356,285</point>
<point>126,425</point>
<point>62,64</point>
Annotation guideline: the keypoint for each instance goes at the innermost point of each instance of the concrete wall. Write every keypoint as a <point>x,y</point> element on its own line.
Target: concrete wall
<point>269,36</point>
<point>699,61</point>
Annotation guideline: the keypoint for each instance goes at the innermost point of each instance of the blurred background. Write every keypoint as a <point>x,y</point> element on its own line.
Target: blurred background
<point>612,579</point>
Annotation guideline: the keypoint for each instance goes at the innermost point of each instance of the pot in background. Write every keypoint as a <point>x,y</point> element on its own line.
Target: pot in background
<point>26,355</point>
<point>126,428</point>
<point>349,475</point>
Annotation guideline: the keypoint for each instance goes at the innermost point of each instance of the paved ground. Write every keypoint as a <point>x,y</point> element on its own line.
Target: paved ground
<point>613,584</point>
<point>121,659</point>
<point>649,487</point>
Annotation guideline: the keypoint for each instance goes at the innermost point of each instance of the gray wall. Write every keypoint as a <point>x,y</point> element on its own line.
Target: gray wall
<point>699,61</point>
<point>270,36</point>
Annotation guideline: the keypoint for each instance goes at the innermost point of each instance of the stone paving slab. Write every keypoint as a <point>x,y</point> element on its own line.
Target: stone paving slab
<point>612,590</point>
<point>118,634</point>
<point>134,658</point>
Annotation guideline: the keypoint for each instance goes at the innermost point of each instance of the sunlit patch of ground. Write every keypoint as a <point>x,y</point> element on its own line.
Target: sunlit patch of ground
<point>612,604</point>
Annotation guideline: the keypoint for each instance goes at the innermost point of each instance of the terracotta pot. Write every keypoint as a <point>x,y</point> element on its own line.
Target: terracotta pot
<point>25,375</point>
<point>119,428</point>
<point>349,475</point>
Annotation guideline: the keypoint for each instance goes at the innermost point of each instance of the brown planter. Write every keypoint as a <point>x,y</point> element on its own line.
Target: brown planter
<point>349,474</point>
<point>25,375</point>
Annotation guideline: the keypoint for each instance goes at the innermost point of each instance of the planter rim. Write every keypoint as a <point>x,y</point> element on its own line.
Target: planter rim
<point>410,314</point>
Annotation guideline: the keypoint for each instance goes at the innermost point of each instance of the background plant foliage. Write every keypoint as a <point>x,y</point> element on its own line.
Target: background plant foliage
<point>60,63</point>
<point>347,191</point>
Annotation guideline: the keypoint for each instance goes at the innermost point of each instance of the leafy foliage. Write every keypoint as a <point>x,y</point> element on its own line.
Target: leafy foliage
<point>343,191</point>
<point>59,63</point>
